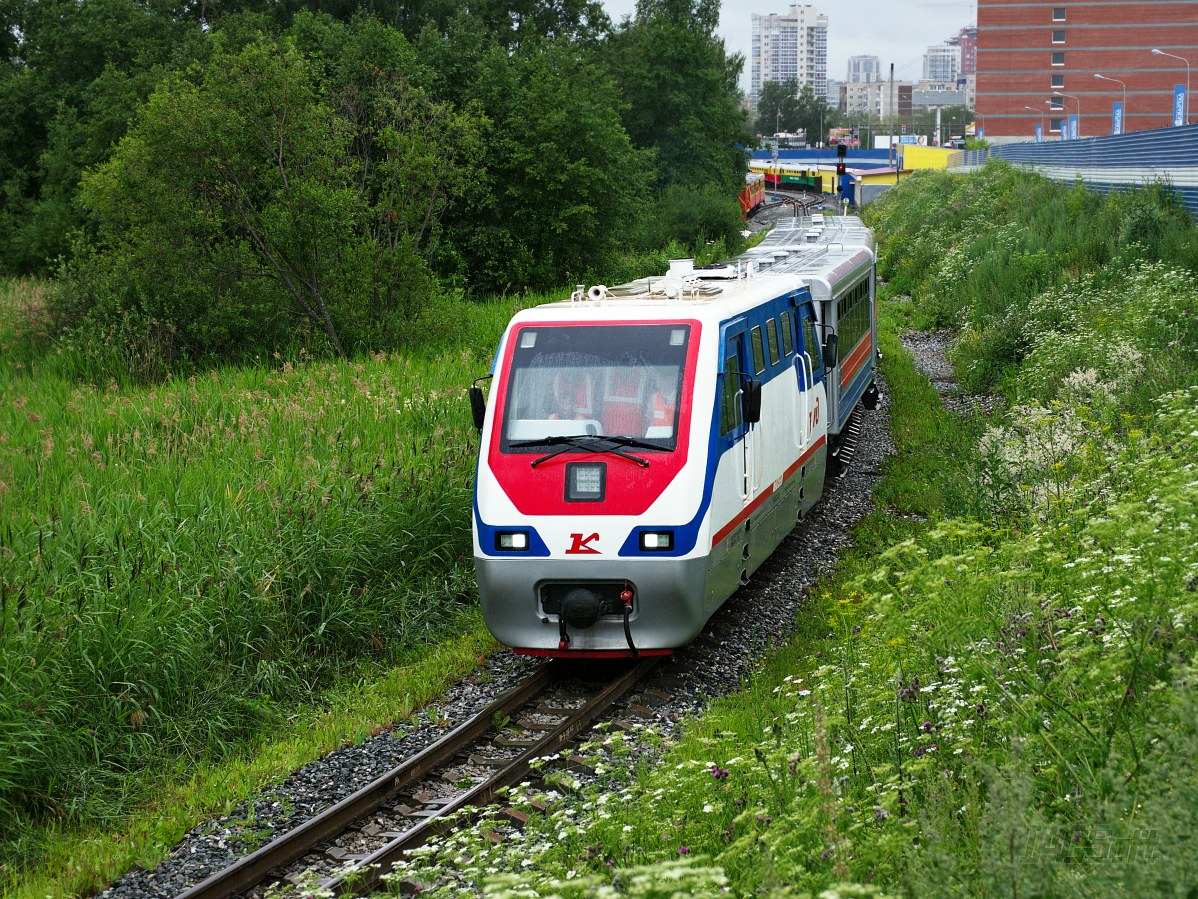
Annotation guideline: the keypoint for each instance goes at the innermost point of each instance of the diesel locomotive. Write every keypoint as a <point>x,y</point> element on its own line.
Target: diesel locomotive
<point>645,447</point>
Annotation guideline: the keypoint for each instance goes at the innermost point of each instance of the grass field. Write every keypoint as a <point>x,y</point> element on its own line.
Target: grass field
<point>184,565</point>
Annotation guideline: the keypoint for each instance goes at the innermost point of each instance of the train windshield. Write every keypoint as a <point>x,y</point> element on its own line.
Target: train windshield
<point>607,380</point>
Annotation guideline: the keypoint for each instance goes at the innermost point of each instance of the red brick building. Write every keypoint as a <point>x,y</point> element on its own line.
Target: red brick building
<point>1037,62</point>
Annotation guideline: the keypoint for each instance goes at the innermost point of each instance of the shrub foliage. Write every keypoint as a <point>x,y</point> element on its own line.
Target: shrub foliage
<point>254,200</point>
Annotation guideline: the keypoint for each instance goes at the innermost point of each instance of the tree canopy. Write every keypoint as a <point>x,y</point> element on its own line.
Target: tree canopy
<point>258,196</point>
<point>785,107</point>
<point>681,87</point>
<point>225,176</point>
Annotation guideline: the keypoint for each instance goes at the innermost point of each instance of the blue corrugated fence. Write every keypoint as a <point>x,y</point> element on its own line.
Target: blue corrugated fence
<point>1115,162</point>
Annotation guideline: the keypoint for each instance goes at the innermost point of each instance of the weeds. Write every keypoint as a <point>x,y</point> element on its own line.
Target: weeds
<point>180,562</point>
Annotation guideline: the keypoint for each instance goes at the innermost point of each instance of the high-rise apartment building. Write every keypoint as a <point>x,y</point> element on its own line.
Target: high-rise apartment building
<point>1038,63</point>
<point>864,69</point>
<point>789,47</point>
<point>967,40</point>
<point>942,63</point>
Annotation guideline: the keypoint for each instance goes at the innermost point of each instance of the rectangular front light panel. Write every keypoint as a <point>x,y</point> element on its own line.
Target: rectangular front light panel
<point>657,541</point>
<point>586,482</point>
<point>511,541</point>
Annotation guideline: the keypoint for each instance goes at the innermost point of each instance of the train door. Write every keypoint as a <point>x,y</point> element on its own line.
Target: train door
<point>737,363</point>
<point>830,328</point>
<point>792,334</point>
<point>812,365</point>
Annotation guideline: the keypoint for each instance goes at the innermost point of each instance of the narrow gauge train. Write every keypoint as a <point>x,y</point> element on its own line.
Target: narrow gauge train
<point>753,194</point>
<point>646,447</point>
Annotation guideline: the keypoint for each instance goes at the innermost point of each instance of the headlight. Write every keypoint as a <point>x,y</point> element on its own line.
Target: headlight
<point>511,541</point>
<point>657,541</point>
<point>586,482</point>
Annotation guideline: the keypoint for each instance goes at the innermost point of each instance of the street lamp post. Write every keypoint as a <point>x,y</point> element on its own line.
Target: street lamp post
<point>1187,62</point>
<point>1039,112</point>
<point>1123,117</point>
<point>1079,109</point>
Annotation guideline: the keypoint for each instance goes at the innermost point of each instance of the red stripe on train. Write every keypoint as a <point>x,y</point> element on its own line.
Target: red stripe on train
<point>765,494</point>
<point>855,359</point>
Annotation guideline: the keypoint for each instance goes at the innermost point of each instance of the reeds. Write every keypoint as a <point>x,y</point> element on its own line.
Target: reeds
<point>180,560</point>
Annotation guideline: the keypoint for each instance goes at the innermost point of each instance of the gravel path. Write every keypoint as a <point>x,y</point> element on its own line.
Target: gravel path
<point>930,349</point>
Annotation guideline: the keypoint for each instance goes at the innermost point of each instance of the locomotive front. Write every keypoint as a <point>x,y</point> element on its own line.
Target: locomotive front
<point>587,519</point>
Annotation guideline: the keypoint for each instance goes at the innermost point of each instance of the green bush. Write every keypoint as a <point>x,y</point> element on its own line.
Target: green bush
<point>262,201</point>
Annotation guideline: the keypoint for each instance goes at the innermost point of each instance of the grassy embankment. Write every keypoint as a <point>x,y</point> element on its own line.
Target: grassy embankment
<point>994,694</point>
<point>207,582</point>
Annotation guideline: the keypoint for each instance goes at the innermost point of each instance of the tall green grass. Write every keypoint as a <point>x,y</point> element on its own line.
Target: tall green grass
<point>182,562</point>
<point>975,250</point>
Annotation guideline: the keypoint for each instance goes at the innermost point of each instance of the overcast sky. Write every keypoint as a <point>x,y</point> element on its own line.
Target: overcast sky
<point>896,31</point>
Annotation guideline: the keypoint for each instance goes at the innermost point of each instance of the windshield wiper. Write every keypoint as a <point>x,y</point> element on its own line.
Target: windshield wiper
<point>550,441</point>
<point>634,442</point>
<point>586,442</point>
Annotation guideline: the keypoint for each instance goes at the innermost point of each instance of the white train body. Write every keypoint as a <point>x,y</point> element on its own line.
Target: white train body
<point>646,448</point>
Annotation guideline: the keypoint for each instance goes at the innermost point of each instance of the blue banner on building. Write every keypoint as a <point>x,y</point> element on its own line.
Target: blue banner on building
<point>1179,104</point>
<point>1117,119</point>
<point>1039,132</point>
<point>1073,127</point>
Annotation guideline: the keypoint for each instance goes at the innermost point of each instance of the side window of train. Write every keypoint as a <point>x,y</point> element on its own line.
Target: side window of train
<point>758,351</point>
<point>811,344</point>
<point>771,340</point>
<point>730,392</point>
<point>788,341</point>
<point>853,314</point>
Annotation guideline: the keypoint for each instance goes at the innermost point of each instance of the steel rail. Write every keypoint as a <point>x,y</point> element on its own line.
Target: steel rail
<point>294,844</point>
<point>366,873</point>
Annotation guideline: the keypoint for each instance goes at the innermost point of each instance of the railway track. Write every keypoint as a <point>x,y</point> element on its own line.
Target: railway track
<point>363,836</point>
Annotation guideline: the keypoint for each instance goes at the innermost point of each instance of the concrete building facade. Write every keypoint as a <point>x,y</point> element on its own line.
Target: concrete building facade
<point>793,46</point>
<point>864,69</point>
<point>1037,64</point>
<point>878,99</point>
<point>942,63</point>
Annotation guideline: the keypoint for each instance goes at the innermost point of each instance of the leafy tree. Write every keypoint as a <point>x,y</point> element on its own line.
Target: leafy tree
<point>73,74</point>
<point>681,88</point>
<point>509,23</point>
<point>796,109</point>
<point>246,206</point>
<point>564,189</point>
<point>514,22</point>
<point>778,107</point>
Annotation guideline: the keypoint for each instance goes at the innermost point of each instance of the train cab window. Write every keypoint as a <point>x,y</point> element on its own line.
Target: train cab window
<point>771,339</point>
<point>730,392</point>
<point>570,380</point>
<point>788,341</point>
<point>758,351</point>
